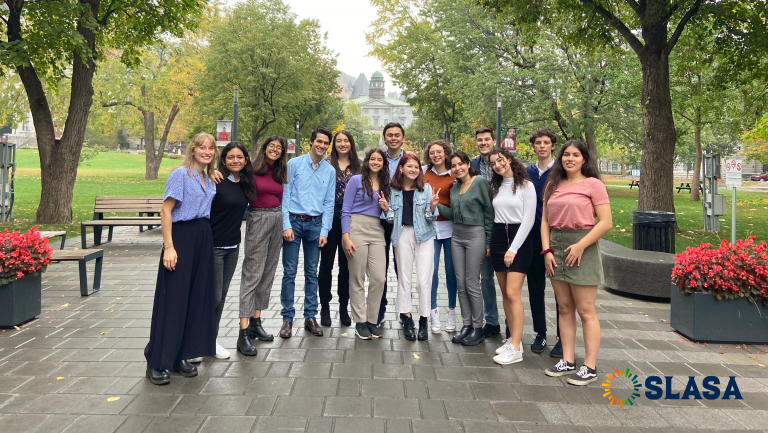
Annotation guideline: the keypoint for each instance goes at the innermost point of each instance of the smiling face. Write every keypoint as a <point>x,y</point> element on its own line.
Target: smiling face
<point>459,169</point>
<point>500,165</point>
<point>543,147</point>
<point>393,137</point>
<point>436,155</point>
<point>572,160</point>
<point>273,151</point>
<point>375,162</point>
<point>204,153</point>
<point>484,142</point>
<point>411,170</point>
<point>234,160</point>
<point>342,144</point>
<point>320,145</point>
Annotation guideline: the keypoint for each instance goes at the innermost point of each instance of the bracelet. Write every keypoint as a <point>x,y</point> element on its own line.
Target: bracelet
<point>165,247</point>
<point>547,251</point>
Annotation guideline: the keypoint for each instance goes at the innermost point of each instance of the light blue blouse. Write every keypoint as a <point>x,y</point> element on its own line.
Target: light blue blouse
<point>192,201</point>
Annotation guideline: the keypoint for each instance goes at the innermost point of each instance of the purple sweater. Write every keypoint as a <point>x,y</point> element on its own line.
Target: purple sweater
<point>357,202</point>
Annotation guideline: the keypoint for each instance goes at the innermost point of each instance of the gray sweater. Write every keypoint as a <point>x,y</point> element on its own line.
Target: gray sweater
<point>473,208</point>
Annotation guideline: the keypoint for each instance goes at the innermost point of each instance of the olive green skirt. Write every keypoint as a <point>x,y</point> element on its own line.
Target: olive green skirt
<point>589,272</point>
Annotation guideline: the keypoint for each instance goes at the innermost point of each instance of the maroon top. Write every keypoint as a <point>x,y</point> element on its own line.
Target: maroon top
<point>269,193</point>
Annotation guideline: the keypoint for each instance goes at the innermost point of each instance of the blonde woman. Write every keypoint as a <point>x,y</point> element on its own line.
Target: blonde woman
<point>183,312</point>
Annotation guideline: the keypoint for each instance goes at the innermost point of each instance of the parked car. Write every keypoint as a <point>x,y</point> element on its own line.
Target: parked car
<point>759,177</point>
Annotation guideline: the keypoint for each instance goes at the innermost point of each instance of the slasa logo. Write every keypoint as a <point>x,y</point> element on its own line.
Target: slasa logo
<point>709,385</point>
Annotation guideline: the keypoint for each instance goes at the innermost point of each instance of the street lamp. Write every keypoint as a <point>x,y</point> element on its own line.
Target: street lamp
<point>234,117</point>
<point>298,138</point>
<point>498,118</point>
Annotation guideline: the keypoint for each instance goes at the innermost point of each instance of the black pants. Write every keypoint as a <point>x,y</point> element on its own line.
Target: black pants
<point>537,282</point>
<point>182,315</point>
<point>224,264</point>
<point>388,242</point>
<point>327,257</point>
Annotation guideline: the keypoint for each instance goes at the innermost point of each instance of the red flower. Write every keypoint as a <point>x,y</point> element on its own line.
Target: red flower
<point>22,254</point>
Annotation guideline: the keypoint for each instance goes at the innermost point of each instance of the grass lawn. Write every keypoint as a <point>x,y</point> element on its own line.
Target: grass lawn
<point>123,174</point>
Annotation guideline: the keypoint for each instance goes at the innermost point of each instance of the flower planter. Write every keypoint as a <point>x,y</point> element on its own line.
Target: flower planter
<point>702,317</point>
<point>20,300</point>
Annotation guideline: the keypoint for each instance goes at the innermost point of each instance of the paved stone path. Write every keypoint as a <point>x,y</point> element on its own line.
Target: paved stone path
<point>80,368</point>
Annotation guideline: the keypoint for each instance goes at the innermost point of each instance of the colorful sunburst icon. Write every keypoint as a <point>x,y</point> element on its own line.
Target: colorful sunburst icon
<point>635,392</point>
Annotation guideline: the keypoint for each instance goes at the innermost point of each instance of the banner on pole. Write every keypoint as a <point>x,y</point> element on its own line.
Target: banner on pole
<point>510,139</point>
<point>223,132</point>
<point>291,146</point>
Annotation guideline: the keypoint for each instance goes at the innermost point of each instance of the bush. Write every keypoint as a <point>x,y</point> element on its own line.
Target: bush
<point>174,156</point>
<point>125,151</point>
<point>140,152</point>
<point>22,255</point>
<point>727,272</point>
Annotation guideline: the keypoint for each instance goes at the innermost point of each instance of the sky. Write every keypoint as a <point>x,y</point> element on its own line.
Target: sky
<point>345,22</point>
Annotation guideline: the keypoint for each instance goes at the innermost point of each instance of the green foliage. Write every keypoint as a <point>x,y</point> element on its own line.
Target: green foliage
<point>88,152</point>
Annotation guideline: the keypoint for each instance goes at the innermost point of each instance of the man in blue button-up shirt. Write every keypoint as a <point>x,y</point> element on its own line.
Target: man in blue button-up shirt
<point>307,209</point>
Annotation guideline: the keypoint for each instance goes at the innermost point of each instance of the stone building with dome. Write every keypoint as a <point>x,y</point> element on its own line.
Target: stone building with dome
<point>377,106</point>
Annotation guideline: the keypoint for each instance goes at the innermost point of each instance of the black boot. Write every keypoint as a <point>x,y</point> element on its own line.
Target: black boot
<point>158,377</point>
<point>474,338</point>
<point>244,345</point>
<point>325,315</point>
<point>409,331</point>
<point>423,328</point>
<point>185,369</point>
<point>344,315</point>
<point>458,338</point>
<point>256,331</point>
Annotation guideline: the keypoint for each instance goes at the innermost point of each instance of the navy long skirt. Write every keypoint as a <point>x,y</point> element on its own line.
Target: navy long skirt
<point>182,315</point>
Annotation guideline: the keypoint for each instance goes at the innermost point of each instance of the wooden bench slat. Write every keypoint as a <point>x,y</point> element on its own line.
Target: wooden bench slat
<point>149,221</point>
<point>60,255</point>
<point>122,204</point>
<point>52,234</point>
<point>128,197</point>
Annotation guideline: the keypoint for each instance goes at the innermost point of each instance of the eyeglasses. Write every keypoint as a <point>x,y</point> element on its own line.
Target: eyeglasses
<point>274,146</point>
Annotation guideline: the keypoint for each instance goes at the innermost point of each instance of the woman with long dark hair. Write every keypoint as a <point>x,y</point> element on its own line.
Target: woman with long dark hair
<point>263,240</point>
<point>514,206</point>
<point>347,164</point>
<point>363,240</point>
<point>573,198</point>
<point>229,204</point>
<point>472,214</point>
<point>182,314</point>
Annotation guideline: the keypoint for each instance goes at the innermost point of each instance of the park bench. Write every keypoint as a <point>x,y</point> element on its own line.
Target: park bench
<point>55,234</point>
<point>634,183</point>
<point>685,186</point>
<point>636,272</point>
<point>82,257</point>
<point>146,207</point>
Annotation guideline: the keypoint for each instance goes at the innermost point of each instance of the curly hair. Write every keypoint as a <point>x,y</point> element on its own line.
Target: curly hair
<point>383,174</point>
<point>447,151</point>
<point>519,172</point>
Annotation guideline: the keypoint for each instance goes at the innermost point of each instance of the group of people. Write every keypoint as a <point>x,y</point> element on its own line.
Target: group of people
<point>489,215</point>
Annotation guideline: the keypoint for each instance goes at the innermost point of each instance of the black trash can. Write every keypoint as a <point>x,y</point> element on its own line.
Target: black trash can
<point>653,231</point>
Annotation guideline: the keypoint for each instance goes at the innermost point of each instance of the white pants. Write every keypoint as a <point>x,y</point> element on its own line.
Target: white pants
<point>408,253</point>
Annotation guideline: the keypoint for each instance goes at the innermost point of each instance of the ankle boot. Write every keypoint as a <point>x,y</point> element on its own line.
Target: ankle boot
<point>256,331</point>
<point>474,338</point>
<point>344,315</point>
<point>325,315</point>
<point>408,328</point>
<point>244,345</point>
<point>423,328</point>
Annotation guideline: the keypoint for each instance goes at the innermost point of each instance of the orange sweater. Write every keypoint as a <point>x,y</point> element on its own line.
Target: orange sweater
<point>444,184</point>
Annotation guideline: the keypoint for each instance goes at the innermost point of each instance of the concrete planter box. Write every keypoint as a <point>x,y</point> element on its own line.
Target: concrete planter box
<point>20,301</point>
<point>636,272</point>
<point>703,318</point>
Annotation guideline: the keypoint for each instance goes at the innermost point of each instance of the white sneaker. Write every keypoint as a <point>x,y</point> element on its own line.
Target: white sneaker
<point>435,318</point>
<point>450,321</point>
<point>221,352</point>
<point>510,355</point>
<point>197,360</point>
<point>505,342</point>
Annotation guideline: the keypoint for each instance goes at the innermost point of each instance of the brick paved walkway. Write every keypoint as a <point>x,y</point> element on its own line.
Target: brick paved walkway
<point>80,368</point>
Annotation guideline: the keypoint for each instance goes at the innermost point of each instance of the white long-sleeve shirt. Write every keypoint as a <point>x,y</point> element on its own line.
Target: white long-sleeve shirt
<point>516,208</point>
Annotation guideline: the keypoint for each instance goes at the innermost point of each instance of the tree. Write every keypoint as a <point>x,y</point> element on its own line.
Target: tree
<point>46,40</point>
<point>658,26</point>
<point>158,87</point>
<point>282,67</point>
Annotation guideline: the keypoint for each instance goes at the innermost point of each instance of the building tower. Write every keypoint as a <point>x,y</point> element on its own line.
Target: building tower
<point>377,86</point>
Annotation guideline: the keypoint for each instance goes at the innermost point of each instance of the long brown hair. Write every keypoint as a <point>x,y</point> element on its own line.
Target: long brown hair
<point>446,150</point>
<point>246,175</point>
<point>189,159</point>
<point>398,180</point>
<point>354,160</point>
<point>557,174</point>
<point>519,172</point>
<point>382,175</point>
<point>280,175</point>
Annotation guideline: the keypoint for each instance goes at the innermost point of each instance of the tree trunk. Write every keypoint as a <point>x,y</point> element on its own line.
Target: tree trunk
<point>659,136</point>
<point>697,164</point>
<point>589,135</point>
<point>59,158</point>
<point>163,141</point>
<point>152,161</point>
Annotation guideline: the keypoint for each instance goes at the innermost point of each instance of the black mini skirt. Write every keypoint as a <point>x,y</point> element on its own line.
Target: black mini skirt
<point>501,238</point>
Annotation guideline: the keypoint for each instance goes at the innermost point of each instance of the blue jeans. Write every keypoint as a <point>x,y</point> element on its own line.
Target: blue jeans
<point>450,274</point>
<point>308,232</point>
<point>488,285</point>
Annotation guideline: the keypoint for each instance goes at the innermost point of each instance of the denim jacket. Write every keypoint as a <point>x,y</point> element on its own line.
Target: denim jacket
<point>422,215</point>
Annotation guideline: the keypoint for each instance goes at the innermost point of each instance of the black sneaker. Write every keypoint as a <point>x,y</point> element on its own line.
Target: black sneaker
<point>539,343</point>
<point>362,332</point>
<point>489,330</point>
<point>557,351</point>
<point>585,376</point>
<point>423,334</point>
<point>562,368</point>
<point>374,330</point>
<point>409,331</point>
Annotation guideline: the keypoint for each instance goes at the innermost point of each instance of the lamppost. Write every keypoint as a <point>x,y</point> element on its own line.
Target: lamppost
<point>234,117</point>
<point>298,138</point>
<point>498,118</point>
